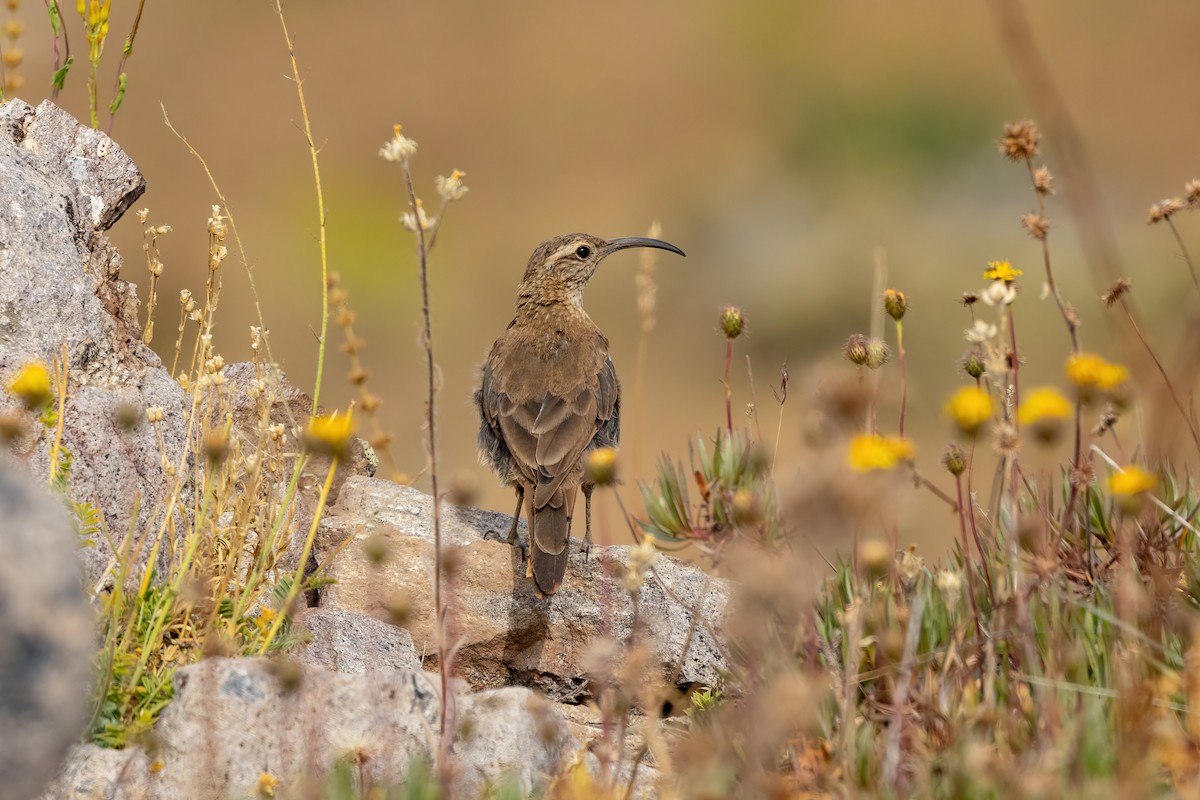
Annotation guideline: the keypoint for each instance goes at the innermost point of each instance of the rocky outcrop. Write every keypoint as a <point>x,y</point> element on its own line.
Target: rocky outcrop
<point>61,290</point>
<point>507,634</point>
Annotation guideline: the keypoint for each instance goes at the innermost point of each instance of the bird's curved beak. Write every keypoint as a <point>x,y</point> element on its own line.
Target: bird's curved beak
<point>638,241</point>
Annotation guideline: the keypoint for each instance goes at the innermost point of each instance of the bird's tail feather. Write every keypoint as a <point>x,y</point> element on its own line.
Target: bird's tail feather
<point>549,535</point>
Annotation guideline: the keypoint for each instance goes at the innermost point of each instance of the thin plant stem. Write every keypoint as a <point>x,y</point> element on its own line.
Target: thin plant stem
<point>987,573</point>
<point>962,526</point>
<point>55,13</point>
<point>903,374</point>
<point>118,82</point>
<point>728,387</point>
<point>1183,249</point>
<point>430,420</point>
<point>298,578</point>
<point>1163,372</point>
<point>312,149</point>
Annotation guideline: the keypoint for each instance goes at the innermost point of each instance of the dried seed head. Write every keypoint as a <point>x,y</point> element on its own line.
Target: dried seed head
<point>216,446</point>
<point>895,304</point>
<point>1163,210</point>
<point>974,362</point>
<point>1117,291</point>
<point>855,349</point>
<point>1043,181</point>
<point>1005,439</point>
<point>969,299</point>
<point>874,558</point>
<point>1020,140</point>
<point>1037,225</point>
<point>733,322</point>
<point>1191,191</point>
<point>954,460</point>
<point>877,353</point>
<point>128,415</point>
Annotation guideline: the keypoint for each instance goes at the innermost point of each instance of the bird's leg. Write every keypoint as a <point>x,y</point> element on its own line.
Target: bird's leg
<point>587,516</point>
<point>513,538</point>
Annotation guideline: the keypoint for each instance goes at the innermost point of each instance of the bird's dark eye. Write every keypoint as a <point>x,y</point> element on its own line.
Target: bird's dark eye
<point>583,251</point>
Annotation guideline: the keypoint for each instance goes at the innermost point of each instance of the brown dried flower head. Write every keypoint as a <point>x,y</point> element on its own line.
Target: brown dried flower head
<point>1191,191</point>
<point>969,299</point>
<point>1020,140</point>
<point>1163,209</point>
<point>1037,225</point>
<point>954,460</point>
<point>1117,291</point>
<point>1043,181</point>
<point>855,349</point>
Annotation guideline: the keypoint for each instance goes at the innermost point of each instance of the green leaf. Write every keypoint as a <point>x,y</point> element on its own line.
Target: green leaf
<point>116,103</point>
<point>60,75</point>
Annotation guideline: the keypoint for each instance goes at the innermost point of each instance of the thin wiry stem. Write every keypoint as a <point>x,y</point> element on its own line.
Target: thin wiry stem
<point>1162,371</point>
<point>118,81</point>
<point>903,374</point>
<point>430,421</point>
<point>962,525</point>
<point>312,149</point>
<point>728,387</point>
<point>1183,249</point>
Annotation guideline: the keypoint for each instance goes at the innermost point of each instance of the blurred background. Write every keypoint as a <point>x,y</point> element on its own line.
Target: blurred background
<point>778,142</point>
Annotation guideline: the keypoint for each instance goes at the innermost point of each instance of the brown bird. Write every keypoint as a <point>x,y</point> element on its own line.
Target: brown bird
<point>549,395</point>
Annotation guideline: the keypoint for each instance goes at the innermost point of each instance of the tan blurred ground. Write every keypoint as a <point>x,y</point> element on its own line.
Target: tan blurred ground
<point>778,143</point>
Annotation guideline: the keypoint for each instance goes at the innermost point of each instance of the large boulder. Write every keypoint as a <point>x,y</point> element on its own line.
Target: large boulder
<point>382,534</point>
<point>61,290</point>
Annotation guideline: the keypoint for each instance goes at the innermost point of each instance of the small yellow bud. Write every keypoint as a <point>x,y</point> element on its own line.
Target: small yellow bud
<point>733,322</point>
<point>601,466</point>
<point>895,304</point>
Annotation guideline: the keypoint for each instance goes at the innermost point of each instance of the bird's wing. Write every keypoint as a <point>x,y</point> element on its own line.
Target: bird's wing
<point>547,416</point>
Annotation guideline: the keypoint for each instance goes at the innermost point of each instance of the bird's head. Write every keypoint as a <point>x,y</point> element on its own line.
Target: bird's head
<point>564,264</point>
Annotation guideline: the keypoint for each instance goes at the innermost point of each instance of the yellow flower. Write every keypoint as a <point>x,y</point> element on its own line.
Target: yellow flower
<point>1043,412</point>
<point>32,386</point>
<point>1001,271</point>
<point>600,466</point>
<point>330,434</point>
<point>1090,371</point>
<point>871,452</point>
<point>970,407</point>
<point>1043,404</point>
<point>1130,481</point>
<point>267,784</point>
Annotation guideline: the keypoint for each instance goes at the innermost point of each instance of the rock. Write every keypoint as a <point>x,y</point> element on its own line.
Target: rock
<point>509,736</point>
<point>508,635</point>
<point>65,184</point>
<point>46,637</point>
<point>234,719</point>
<point>346,642</point>
<point>97,773</point>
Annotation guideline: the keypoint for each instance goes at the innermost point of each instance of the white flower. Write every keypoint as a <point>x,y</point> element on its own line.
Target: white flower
<point>399,148</point>
<point>451,188</point>
<point>999,293</point>
<point>980,332</point>
<point>409,221</point>
<point>950,582</point>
